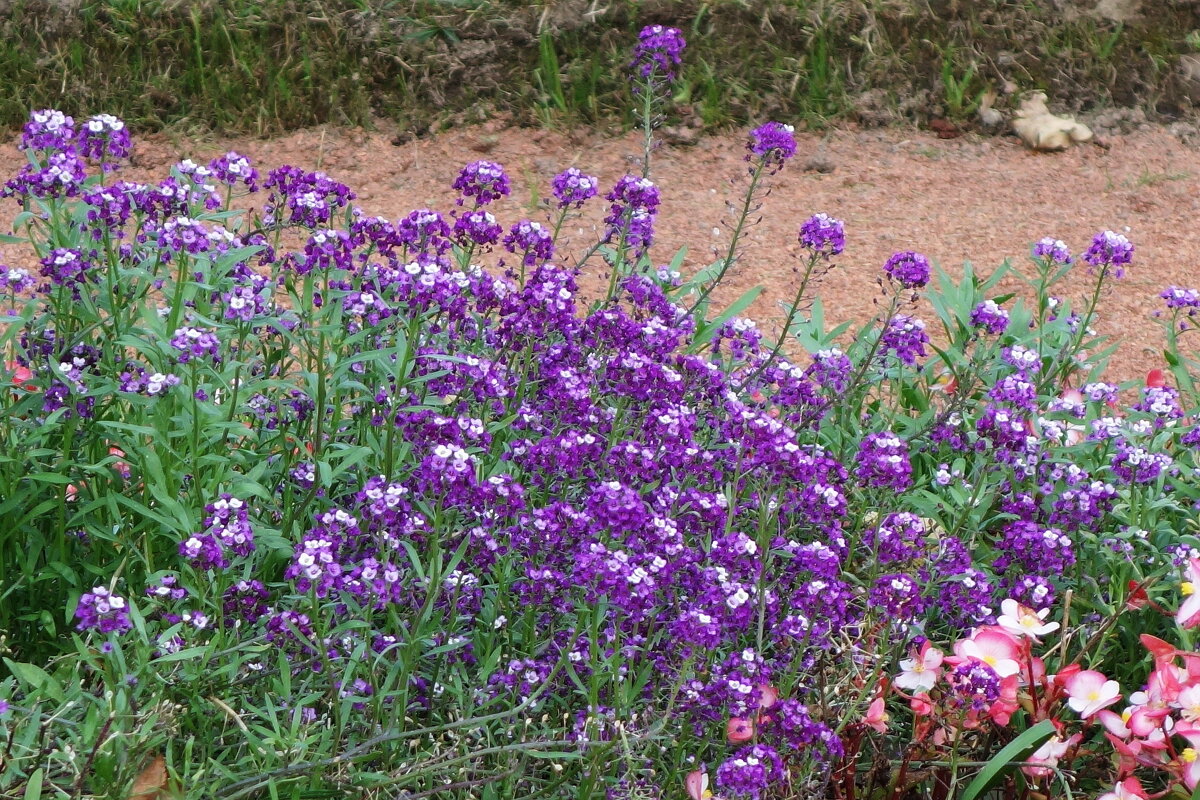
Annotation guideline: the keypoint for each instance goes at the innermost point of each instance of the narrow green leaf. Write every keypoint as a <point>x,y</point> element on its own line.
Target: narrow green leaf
<point>1014,752</point>
<point>36,677</point>
<point>33,789</point>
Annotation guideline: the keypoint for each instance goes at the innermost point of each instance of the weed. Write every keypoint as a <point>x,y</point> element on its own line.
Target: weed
<point>1148,178</point>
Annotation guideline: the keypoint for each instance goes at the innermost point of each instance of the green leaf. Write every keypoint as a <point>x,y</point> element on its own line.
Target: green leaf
<point>33,789</point>
<point>181,655</point>
<point>1014,752</point>
<point>705,334</point>
<point>36,677</point>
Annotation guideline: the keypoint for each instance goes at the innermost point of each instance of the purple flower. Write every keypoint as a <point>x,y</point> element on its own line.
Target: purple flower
<point>1109,249</point>
<point>750,772</point>
<point>304,475</point>
<point>823,235</point>
<point>900,594</point>
<point>477,227</point>
<point>311,197</point>
<point>830,369</point>
<point>990,317</point>
<point>136,379</point>
<point>1053,250</point>
<point>62,176</point>
<point>532,241</point>
<point>898,539</point>
<point>633,205</point>
<point>424,230</point>
<point>1133,464</point>
<point>1033,550</point>
<point>572,188</point>
<point>103,611</point>
<point>1178,297</point>
<point>905,338</point>
<point>183,235</point>
<point>204,551</point>
<point>657,53</point>
<point>66,267</point>
<point>883,462</point>
<point>974,685</point>
<point>1022,359</point>
<point>244,602</point>
<point>909,269</point>
<point>196,343</point>
<point>234,168</point>
<point>104,138</point>
<point>773,143</point>
<point>48,129</point>
<point>16,279</point>
<point>483,180</point>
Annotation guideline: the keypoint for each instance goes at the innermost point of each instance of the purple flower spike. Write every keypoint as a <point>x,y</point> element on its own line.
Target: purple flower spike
<point>48,129</point>
<point>823,235</point>
<point>483,180</point>
<point>773,143</point>
<point>1109,249</point>
<point>1053,250</point>
<point>103,611</point>
<point>573,188</point>
<point>104,138</point>
<point>909,269</point>
<point>657,53</point>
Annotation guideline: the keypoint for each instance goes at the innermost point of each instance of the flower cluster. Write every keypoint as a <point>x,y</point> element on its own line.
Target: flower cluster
<point>823,235</point>
<point>657,54</point>
<point>771,144</point>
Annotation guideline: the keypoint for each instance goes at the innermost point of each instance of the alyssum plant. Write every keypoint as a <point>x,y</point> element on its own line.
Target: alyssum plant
<point>311,502</point>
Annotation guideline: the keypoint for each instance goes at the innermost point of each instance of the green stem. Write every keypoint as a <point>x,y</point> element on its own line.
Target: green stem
<point>728,261</point>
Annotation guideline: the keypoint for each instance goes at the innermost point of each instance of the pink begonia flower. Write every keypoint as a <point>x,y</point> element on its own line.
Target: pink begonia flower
<point>1006,704</point>
<point>1189,759</point>
<point>1021,620</point>
<point>921,704</point>
<point>768,696</point>
<point>1163,652</point>
<point>1128,789</point>
<point>1048,754</point>
<point>922,670</point>
<point>739,730</point>
<point>1116,724</point>
<point>696,784</point>
<point>1145,721</point>
<point>1188,615</point>
<point>1089,691</point>
<point>1189,703</point>
<point>993,647</point>
<point>876,717</point>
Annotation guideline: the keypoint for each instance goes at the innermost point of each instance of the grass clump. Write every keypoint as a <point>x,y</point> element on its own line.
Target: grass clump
<point>261,67</point>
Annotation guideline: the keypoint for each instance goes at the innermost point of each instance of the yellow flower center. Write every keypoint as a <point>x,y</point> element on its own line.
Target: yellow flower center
<point>990,661</point>
<point>1093,695</point>
<point>1187,588</point>
<point>1188,755</point>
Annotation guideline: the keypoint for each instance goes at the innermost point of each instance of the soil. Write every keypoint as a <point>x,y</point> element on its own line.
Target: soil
<point>982,199</point>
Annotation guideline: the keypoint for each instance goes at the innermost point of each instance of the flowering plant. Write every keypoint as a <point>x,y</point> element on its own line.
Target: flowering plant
<point>297,493</point>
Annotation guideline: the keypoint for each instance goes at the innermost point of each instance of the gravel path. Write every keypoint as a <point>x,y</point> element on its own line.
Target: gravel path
<point>971,198</point>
